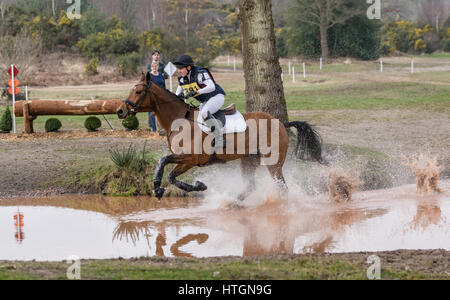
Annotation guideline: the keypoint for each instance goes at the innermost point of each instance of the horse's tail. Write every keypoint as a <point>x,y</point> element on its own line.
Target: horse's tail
<point>309,142</point>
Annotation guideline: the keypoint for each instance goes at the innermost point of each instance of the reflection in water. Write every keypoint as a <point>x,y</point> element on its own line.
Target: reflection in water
<point>175,249</point>
<point>18,225</point>
<point>161,240</point>
<point>428,213</point>
<point>132,231</point>
<point>373,221</point>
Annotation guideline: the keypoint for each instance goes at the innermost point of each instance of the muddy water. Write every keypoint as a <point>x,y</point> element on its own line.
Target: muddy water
<point>99,227</point>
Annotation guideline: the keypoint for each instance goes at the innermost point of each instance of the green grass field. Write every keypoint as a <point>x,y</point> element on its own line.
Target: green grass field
<point>337,87</point>
<point>299,268</point>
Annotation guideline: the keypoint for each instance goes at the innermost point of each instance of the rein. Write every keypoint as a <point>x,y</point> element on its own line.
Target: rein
<point>135,107</point>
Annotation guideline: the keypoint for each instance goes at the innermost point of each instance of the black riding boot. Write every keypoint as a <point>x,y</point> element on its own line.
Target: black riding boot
<point>214,124</point>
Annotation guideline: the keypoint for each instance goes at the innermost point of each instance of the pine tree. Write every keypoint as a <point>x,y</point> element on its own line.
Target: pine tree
<point>6,121</point>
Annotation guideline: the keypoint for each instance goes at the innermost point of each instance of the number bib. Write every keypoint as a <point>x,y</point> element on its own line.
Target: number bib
<point>192,87</point>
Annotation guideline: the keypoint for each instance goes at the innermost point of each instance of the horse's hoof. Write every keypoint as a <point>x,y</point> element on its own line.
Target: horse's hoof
<point>159,193</point>
<point>200,186</point>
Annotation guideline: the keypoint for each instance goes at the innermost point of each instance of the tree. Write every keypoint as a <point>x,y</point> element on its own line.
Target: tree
<point>263,86</point>
<point>325,14</point>
<point>434,12</point>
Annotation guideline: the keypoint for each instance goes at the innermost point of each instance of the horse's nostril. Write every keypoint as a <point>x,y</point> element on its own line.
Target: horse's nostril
<point>120,112</point>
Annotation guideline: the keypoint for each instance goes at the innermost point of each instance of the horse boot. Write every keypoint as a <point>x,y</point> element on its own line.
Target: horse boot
<point>216,129</point>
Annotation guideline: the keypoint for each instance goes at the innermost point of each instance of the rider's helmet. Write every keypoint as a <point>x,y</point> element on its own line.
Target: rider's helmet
<point>184,61</point>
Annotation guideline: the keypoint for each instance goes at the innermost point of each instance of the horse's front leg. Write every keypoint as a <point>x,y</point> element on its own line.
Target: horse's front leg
<point>163,162</point>
<point>178,171</point>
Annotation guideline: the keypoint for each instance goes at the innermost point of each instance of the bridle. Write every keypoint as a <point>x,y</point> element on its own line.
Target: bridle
<point>135,106</point>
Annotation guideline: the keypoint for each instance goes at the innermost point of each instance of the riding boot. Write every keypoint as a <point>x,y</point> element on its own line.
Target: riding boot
<point>216,128</point>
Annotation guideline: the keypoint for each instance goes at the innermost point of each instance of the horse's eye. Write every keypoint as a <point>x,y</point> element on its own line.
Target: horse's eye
<point>138,92</point>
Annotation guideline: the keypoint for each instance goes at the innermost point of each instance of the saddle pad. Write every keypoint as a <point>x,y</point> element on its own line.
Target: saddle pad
<point>234,124</point>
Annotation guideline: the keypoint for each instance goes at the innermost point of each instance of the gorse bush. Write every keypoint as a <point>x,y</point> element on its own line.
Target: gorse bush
<point>52,125</point>
<point>131,123</point>
<point>6,120</point>
<point>92,123</point>
<point>408,37</point>
<point>92,67</point>
<point>128,63</point>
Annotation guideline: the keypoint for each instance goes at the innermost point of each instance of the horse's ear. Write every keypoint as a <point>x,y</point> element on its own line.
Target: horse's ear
<point>143,76</point>
<point>148,77</point>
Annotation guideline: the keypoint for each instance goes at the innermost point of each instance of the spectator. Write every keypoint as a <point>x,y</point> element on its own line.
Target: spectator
<point>158,79</point>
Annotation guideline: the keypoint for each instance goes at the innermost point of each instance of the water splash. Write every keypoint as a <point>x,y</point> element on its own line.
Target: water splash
<point>342,185</point>
<point>428,171</point>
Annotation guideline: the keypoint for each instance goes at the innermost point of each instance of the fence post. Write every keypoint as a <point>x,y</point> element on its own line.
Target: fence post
<point>13,99</point>
<point>293,74</point>
<point>304,70</point>
<point>412,66</point>
<point>321,63</point>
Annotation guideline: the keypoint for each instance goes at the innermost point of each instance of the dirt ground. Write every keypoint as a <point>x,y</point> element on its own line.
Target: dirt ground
<point>30,163</point>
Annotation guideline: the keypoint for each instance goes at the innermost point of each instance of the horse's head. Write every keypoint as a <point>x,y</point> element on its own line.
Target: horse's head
<point>138,95</point>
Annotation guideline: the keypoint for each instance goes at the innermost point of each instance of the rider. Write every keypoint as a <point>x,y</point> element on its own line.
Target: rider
<point>195,81</point>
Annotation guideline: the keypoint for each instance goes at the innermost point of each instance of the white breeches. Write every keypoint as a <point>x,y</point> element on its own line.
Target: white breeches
<point>213,105</point>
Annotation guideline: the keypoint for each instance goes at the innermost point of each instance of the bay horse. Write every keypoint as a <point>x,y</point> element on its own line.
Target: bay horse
<point>168,107</point>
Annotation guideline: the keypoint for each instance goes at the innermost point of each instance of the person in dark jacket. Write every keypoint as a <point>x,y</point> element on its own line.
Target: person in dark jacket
<point>158,79</point>
<point>156,57</point>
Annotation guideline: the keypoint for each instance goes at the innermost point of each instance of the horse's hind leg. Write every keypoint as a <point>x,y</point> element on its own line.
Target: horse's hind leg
<point>277,174</point>
<point>178,171</point>
<point>249,165</point>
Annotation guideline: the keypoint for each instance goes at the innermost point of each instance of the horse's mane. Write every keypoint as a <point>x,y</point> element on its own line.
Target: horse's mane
<point>173,95</point>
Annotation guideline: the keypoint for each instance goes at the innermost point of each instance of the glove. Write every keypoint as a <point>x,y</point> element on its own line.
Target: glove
<point>191,94</point>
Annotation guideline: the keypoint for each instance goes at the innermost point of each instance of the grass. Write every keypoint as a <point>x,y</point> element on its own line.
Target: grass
<point>280,268</point>
<point>367,96</point>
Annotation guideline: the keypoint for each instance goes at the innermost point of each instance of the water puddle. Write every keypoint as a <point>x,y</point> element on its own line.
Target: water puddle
<point>97,227</point>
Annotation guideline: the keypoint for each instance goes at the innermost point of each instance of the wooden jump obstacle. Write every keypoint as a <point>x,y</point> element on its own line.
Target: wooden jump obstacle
<point>32,109</point>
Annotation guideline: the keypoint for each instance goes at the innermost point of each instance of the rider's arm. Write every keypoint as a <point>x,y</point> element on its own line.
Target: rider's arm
<point>205,79</point>
<point>179,91</point>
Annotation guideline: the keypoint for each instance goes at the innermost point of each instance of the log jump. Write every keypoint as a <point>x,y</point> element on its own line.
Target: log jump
<point>32,109</point>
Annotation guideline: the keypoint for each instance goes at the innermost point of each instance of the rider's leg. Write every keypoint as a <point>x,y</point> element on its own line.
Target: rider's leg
<point>207,110</point>
<point>212,106</point>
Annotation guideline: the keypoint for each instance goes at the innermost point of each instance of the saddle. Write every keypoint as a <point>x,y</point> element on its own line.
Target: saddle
<point>221,114</point>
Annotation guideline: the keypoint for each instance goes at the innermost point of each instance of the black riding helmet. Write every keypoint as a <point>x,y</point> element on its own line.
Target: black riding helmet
<point>184,61</point>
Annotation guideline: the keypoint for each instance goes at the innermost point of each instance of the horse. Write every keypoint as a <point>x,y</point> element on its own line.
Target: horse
<point>168,107</point>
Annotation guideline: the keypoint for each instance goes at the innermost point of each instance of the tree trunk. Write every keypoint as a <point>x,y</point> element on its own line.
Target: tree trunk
<point>263,86</point>
<point>324,42</point>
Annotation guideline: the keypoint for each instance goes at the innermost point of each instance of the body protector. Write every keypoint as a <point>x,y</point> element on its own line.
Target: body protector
<point>194,82</point>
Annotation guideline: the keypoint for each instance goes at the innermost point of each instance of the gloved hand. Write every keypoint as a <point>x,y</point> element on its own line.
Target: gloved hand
<point>191,94</point>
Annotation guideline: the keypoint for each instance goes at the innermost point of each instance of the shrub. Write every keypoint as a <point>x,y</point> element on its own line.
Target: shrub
<point>420,46</point>
<point>52,125</point>
<point>131,123</point>
<point>91,68</point>
<point>445,45</point>
<point>6,121</point>
<point>128,63</point>
<point>92,124</point>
